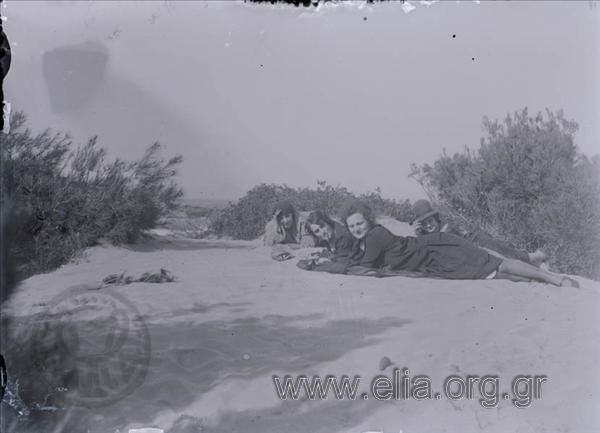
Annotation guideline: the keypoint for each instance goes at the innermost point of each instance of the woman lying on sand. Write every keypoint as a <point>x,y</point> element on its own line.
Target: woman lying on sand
<point>439,255</point>
<point>338,243</point>
<point>340,256</point>
<point>331,235</point>
<point>286,231</point>
<point>427,220</point>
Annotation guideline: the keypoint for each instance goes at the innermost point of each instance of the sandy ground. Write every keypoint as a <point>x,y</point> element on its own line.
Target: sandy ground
<point>234,318</point>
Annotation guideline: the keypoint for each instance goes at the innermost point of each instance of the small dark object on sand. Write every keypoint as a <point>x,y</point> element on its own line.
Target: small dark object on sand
<point>384,363</point>
<point>163,276</point>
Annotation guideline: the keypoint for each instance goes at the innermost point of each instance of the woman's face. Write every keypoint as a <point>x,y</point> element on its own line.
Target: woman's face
<point>430,225</point>
<point>358,225</point>
<point>287,221</point>
<point>322,231</point>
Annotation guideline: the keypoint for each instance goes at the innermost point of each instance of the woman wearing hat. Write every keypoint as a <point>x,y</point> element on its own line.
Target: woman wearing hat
<point>286,229</point>
<point>428,220</point>
<point>438,255</point>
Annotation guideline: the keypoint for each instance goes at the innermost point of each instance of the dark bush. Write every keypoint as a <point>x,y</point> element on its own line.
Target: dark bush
<point>67,199</point>
<point>527,184</point>
<point>246,218</point>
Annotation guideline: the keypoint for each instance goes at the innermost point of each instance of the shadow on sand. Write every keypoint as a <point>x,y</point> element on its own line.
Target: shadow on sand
<point>182,244</point>
<point>189,359</point>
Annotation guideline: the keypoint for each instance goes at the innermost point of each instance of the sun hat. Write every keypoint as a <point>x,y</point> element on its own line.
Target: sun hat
<point>422,210</point>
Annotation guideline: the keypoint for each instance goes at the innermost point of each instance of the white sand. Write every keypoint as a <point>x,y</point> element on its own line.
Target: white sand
<point>235,318</point>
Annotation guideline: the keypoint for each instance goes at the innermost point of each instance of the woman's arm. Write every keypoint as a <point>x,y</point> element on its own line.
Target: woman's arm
<point>272,234</point>
<point>330,267</point>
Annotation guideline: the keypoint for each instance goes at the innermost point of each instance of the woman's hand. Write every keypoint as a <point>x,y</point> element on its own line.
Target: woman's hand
<point>322,254</point>
<point>419,229</point>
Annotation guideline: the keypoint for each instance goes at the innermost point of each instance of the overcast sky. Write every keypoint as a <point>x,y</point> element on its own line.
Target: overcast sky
<point>251,93</point>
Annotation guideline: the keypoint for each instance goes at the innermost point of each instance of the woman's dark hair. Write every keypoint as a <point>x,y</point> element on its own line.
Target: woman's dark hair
<point>286,208</point>
<point>356,206</point>
<point>319,218</point>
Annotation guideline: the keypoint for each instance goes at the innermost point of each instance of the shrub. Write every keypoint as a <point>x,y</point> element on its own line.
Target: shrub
<point>67,199</point>
<point>527,184</point>
<point>246,218</point>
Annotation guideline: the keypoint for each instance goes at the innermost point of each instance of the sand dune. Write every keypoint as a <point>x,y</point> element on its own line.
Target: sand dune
<point>234,318</point>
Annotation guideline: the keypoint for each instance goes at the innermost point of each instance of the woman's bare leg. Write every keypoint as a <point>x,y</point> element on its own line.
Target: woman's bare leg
<point>525,270</point>
<point>512,277</point>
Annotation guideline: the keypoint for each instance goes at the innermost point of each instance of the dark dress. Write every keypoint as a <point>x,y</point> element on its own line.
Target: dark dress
<point>438,254</point>
<point>483,239</point>
<point>341,246</point>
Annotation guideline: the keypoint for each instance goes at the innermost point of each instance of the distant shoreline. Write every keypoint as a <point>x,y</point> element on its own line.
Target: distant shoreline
<point>207,202</point>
